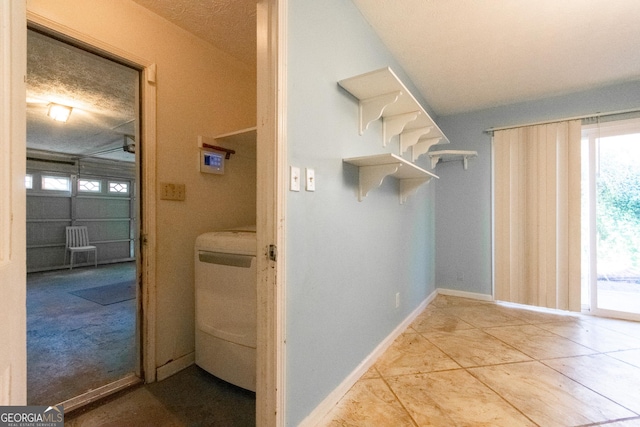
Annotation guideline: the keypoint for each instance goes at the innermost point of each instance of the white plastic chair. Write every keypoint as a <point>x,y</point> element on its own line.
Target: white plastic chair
<point>78,241</point>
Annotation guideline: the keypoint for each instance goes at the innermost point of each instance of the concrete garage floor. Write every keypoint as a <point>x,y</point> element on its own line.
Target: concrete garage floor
<point>73,344</point>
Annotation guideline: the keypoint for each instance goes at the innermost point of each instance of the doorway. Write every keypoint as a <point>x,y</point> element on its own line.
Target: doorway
<point>272,35</point>
<point>611,218</point>
<point>82,322</point>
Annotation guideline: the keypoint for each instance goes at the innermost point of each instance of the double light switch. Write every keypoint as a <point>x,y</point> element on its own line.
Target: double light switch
<point>295,179</point>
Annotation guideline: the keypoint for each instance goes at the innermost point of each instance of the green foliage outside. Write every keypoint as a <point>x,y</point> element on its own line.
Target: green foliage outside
<point>618,208</point>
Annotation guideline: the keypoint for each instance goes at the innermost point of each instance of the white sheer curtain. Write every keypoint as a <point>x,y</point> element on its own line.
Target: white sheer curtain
<point>537,215</point>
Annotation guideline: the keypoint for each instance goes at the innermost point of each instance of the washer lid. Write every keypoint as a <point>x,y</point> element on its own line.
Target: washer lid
<point>238,241</point>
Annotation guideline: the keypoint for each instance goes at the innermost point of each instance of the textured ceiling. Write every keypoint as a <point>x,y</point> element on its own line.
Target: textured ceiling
<point>463,55</point>
<point>466,55</point>
<point>230,25</point>
<point>101,92</point>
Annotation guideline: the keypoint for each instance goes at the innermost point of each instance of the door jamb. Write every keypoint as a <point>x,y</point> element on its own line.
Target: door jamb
<point>593,253</point>
<point>271,192</point>
<point>13,265</point>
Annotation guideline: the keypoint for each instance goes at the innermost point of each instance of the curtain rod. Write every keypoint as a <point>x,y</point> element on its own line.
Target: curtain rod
<point>583,117</point>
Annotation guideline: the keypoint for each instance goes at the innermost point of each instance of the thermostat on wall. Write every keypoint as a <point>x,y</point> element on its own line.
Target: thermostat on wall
<point>212,162</point>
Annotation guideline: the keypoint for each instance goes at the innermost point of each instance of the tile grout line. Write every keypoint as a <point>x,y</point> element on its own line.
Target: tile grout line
<point>384,380</point>
<point>586,386</point>
<point>546,358</point>
<point>467,370</point>
<point>609,422</point>
<point>501,396</point>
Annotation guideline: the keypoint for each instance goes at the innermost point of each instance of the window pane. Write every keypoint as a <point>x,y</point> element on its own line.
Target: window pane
<point>57,183</point>
<point>617,219</point>
<point>118,187</point>
<point>89,185</point>
<point>28,182</point>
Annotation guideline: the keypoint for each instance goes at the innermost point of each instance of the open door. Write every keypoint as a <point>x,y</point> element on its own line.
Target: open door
<point>13,355</point>
<point>271,20</point>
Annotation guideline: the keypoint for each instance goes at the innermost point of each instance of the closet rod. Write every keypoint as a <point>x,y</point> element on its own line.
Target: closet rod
<point>586,116</point>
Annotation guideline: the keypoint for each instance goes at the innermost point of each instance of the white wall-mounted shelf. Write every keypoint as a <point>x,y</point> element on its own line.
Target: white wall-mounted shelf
<point>381,94</point>
<point>248,135</point>
<point>452,156</point>
<point>243,135</point>
<point>209,146</point>
<point>373,169</point>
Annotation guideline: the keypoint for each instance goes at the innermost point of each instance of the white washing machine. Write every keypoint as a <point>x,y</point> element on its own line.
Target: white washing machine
<point>226,305</point>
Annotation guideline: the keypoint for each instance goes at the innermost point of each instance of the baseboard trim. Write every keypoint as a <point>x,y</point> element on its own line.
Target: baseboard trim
<point>175,366</point>
<point>321,411</point>
<point>464,294</point>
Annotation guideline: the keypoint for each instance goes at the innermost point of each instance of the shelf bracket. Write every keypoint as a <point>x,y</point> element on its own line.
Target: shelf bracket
<point>410,138</point>
<point>465,161</point>
<point>435,159</point>
<point>409,186</point>
<point>372,176</point>
<point>422,147</point>
<point>394,125</point>
<point>371,109</point>
<point>228,152</point>
<point>451,155</point>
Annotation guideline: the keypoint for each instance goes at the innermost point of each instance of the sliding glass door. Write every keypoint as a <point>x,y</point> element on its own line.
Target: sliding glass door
<point>611,218</point>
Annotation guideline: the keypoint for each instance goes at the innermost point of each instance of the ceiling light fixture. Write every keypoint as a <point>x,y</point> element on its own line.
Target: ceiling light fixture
<point>59,113</point>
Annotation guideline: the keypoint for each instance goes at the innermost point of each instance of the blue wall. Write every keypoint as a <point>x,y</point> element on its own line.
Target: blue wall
<point>463,198</point>
<point>346,260</point>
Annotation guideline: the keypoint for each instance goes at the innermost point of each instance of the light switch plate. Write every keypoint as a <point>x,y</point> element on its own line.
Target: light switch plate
<point>171,191</point>
<point>295,179</point>
<point>311,180</point>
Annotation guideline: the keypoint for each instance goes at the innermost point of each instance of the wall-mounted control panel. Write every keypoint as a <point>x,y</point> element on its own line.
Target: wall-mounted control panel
<point>212,162</point>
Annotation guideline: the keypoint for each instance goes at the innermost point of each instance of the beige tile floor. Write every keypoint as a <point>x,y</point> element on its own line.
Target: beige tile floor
<point>464,362</point>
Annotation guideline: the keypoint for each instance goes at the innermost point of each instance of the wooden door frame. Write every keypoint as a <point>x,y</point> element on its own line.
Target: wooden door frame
<point>13,240</point>
<point>271,192</point>
<point>147,176</point>
<point>271,186</point>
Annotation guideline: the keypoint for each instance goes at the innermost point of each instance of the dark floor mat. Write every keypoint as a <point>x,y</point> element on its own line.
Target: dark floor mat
<point>108,294</point>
